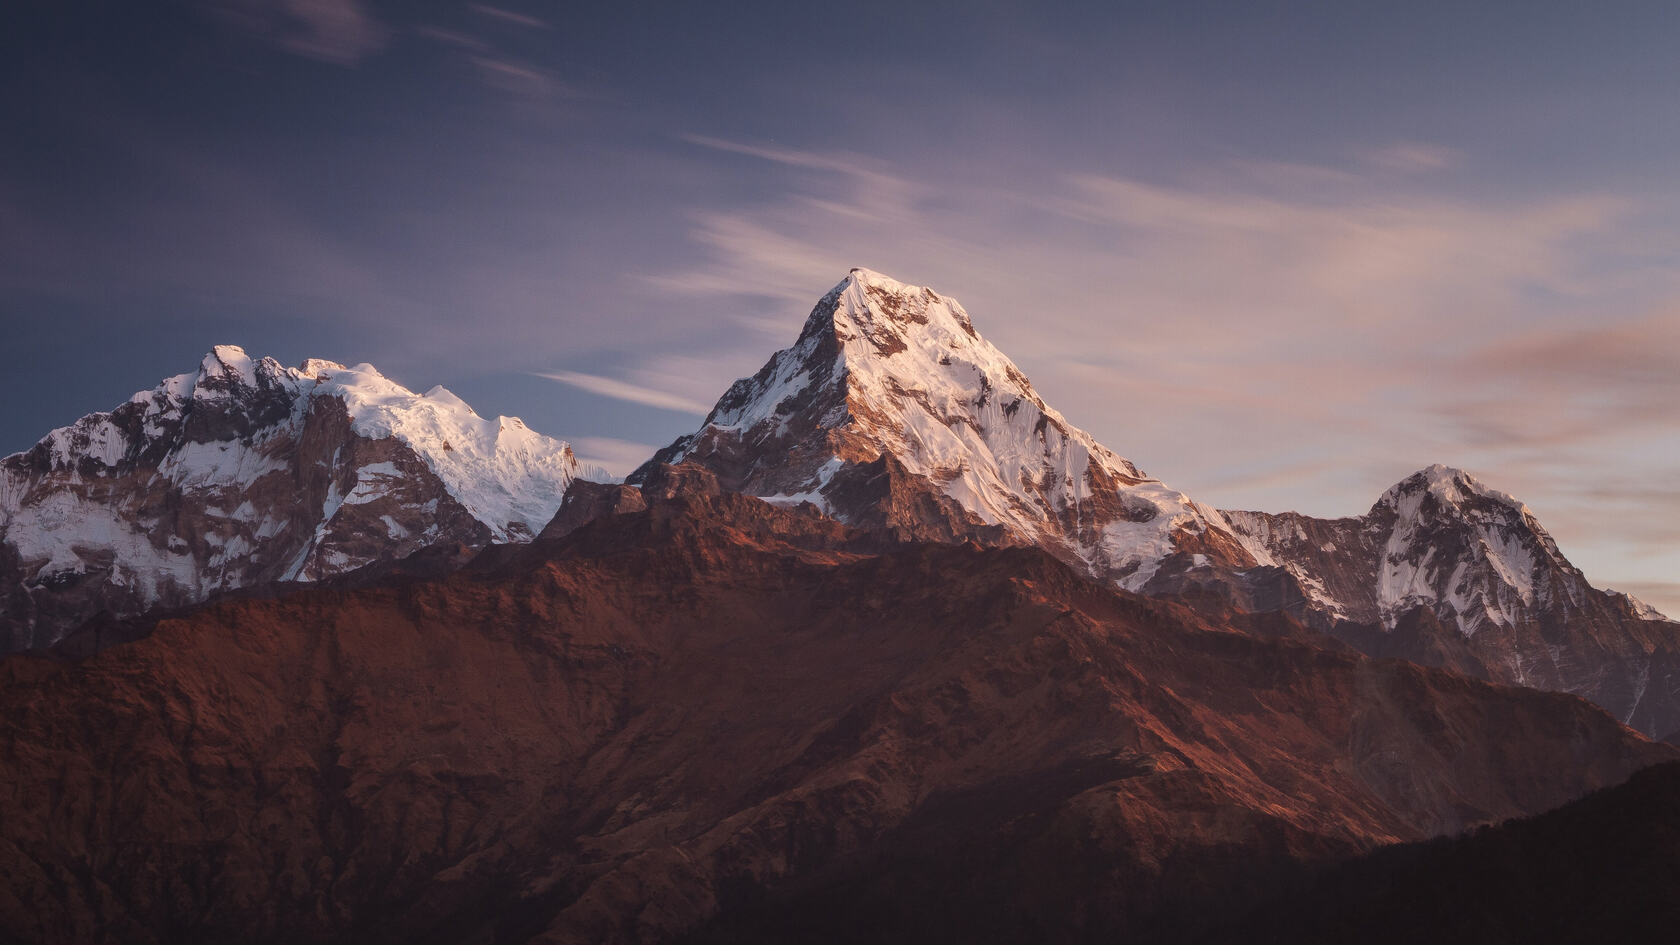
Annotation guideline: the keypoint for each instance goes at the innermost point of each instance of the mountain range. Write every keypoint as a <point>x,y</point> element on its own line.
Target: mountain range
<point>886,645</point>
<point>889,412</point>
<point>713,719</point>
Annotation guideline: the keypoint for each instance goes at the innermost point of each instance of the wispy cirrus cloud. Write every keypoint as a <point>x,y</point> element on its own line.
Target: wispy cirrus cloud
<point>868,190</point>
<point>493,62</point>
<point>848,164</point>
<point>509,16</point>
<point>752,258</point>
<point>1565,385</point>
<point>624,390</point>
<point>454,38</point>
<point>781,251</point>
<point>1368,259</point>
<point>617,457</point>
<point>336,31</point>
<point>518,77</point>
<point>1412,158</point>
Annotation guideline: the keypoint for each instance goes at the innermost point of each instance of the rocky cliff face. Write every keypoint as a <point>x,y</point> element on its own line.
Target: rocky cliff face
<point>1445,570</point>
<point>247,472</point>
<point>694,717</point>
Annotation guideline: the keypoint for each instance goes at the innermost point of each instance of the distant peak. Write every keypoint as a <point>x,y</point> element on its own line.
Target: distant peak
<point>227,366</point>
<point>1438,472</point>
<point>443,395</point>
<point>1447,482</point>
<point>1641,609</point>
<point>319,367</point>
<point>221,358</point>
<point>1449,485</point>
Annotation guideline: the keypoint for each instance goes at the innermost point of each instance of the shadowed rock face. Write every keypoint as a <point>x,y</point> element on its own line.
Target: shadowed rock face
<point>586,501</point>
<point>1601,869</point>
<point>686,714</point>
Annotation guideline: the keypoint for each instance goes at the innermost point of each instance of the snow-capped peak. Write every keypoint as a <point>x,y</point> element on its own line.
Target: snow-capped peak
<point>882,367</point>
<point>1459,545</point>
<point>507,475</point>
<point>247,471</point>
<point>886,312</point>
<point>1448,485</point>
<point>229,362</point>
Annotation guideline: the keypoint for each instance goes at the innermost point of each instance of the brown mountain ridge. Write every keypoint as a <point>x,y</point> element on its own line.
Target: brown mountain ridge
<point>674,717</point>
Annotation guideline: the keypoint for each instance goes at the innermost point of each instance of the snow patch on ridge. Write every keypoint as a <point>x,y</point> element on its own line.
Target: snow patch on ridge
<point>1641,609</point>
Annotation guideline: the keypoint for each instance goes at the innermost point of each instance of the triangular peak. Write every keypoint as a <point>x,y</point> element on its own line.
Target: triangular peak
<point>886,368</point>
<point>891,315</point>
<point>1449,486</point>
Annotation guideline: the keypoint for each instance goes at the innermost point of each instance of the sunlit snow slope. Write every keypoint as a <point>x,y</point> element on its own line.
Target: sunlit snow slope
<point>247,472</point>
<point>884,369</point>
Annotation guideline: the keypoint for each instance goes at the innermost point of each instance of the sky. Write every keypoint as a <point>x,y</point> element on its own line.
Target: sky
<point>1278,255</point>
